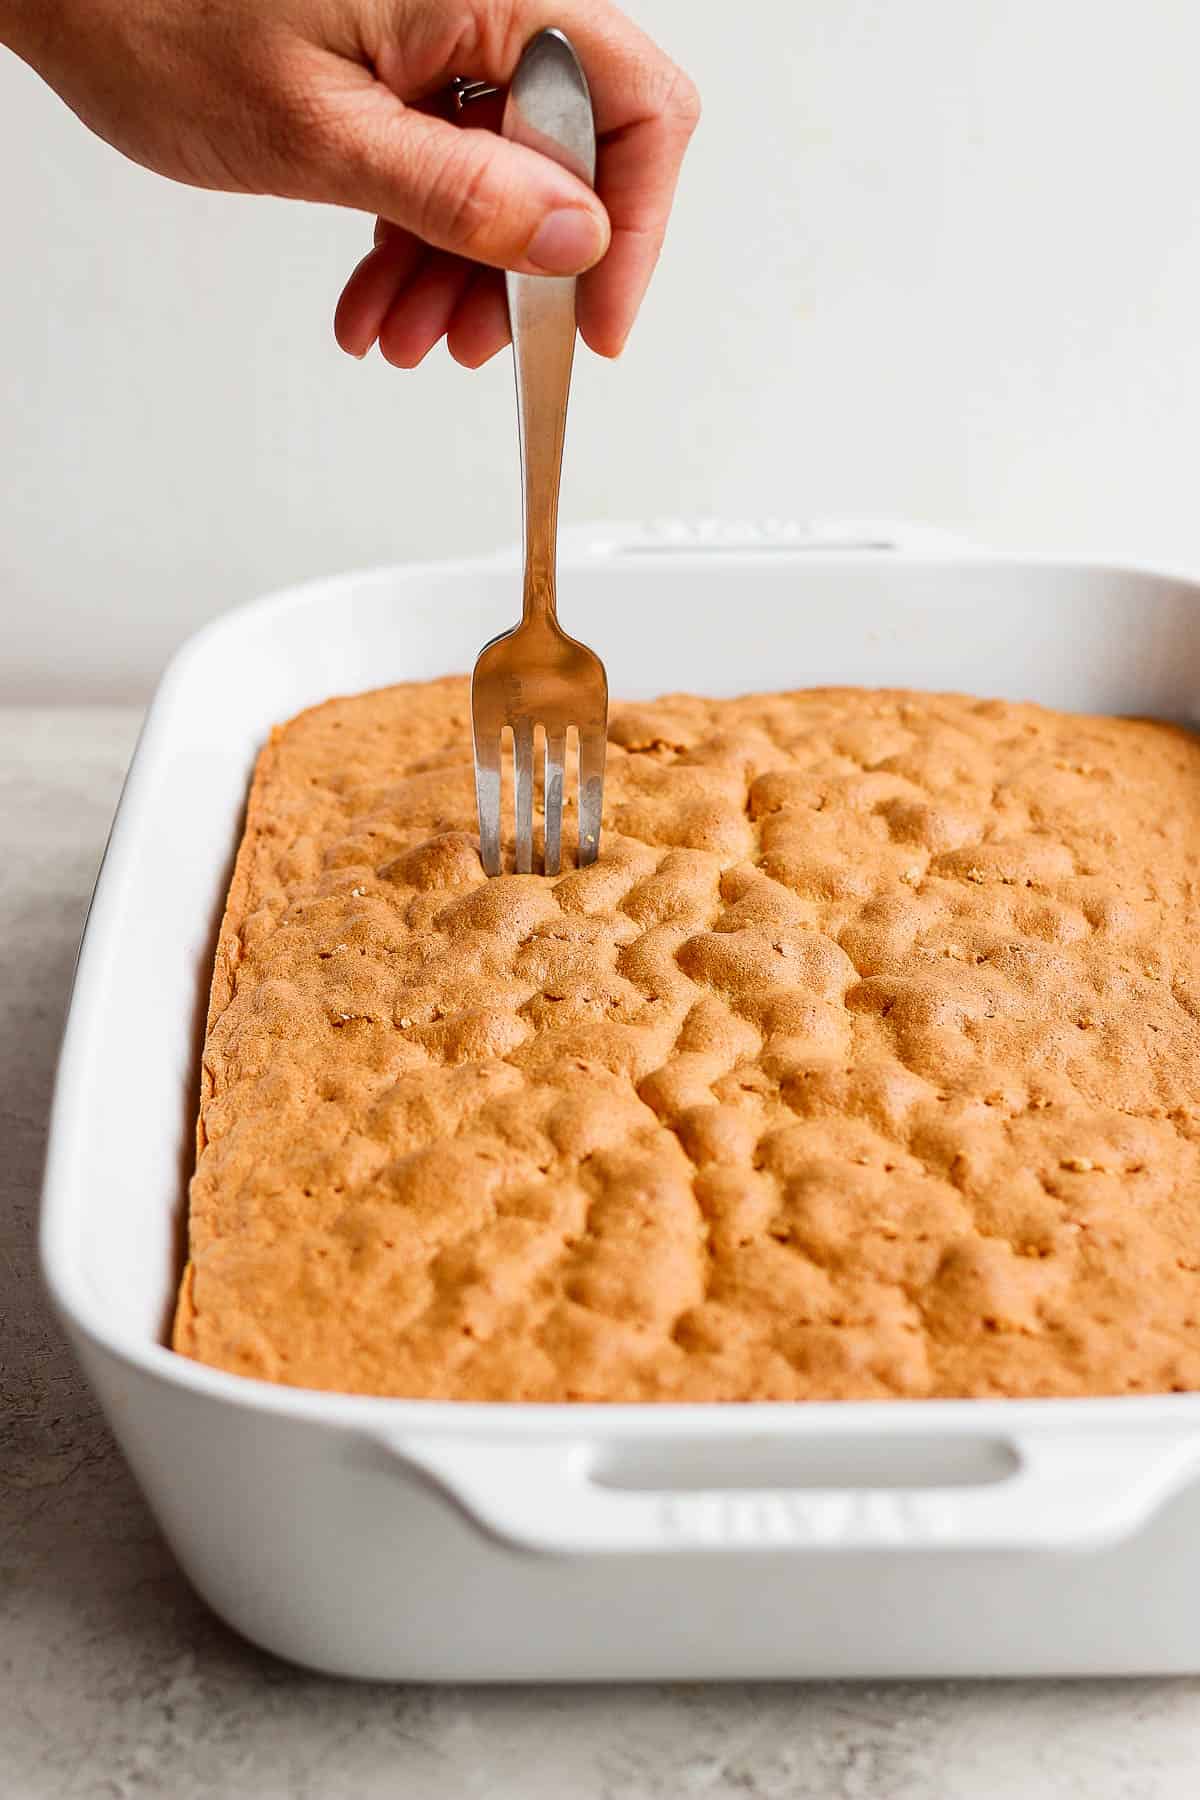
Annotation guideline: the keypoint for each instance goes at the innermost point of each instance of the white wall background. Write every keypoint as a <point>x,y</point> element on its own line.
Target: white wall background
<point>936,260</point>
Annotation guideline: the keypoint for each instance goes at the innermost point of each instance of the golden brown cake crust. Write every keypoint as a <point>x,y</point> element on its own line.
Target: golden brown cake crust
<point>865,1063</point>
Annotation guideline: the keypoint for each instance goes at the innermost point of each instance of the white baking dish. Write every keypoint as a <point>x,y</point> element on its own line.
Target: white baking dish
<point>420,1540</point>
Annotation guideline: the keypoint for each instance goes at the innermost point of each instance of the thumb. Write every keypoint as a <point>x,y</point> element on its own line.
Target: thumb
<point>469,191</point>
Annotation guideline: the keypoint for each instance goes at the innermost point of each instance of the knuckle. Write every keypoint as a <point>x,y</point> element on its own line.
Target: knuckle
<point>462,199</point>
<point>682,103</point>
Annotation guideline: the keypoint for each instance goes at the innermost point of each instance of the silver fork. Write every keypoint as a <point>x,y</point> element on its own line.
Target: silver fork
<point>536,674</point>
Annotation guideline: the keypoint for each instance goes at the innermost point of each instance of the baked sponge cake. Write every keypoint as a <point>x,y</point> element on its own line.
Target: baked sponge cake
<point>865,1063</point>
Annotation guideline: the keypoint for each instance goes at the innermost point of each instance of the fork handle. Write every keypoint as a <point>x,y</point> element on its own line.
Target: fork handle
<point>549,109</point>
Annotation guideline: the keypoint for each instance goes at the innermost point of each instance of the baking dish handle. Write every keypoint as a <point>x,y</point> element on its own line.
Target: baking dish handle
<point>1072,1492</point>
<point>583,543</point>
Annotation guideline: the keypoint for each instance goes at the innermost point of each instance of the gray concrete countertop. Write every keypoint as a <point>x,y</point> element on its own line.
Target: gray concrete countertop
<point>116,1681</point>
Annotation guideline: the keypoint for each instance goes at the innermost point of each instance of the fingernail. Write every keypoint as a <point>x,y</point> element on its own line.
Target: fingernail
<point>566,242</point>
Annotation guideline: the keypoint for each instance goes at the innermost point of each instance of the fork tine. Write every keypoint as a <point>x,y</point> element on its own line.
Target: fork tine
<point>487,794</point>
<point>591,794</point>
<point>556,756</point>
<point>523,760</point>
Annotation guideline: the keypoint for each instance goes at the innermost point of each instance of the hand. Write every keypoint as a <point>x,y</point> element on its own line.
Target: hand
<point>336,101</point>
